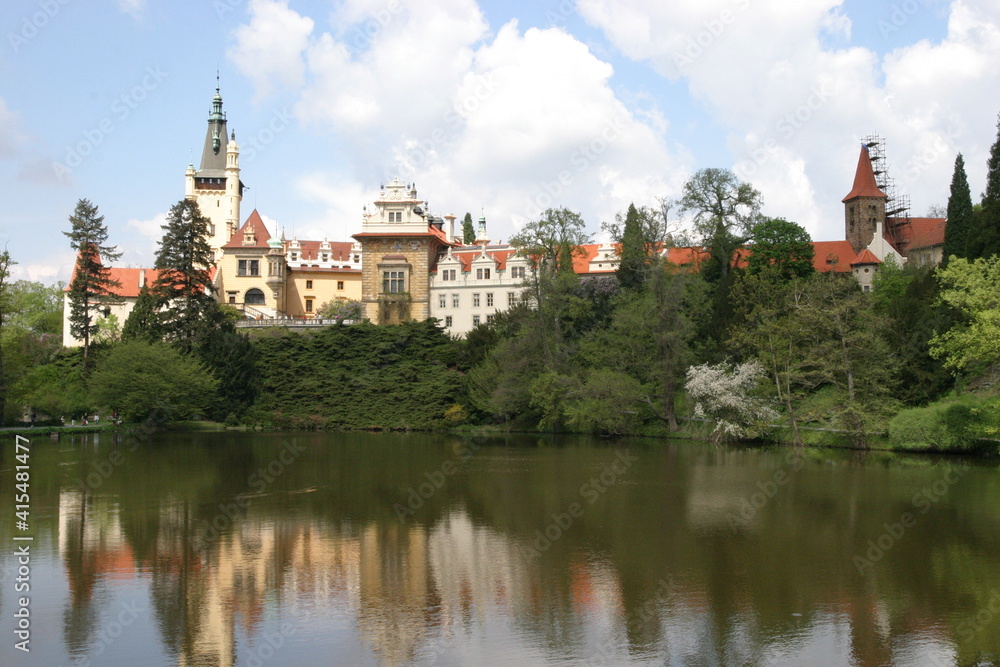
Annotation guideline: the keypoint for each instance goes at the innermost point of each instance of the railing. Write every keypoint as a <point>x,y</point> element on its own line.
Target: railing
<point>291,322</point>
<point>250,311</point>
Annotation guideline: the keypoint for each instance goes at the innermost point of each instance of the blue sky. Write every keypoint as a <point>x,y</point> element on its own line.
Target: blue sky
<point>501,107</point>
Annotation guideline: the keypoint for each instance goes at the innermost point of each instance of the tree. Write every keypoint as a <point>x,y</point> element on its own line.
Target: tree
<point>553,240</point>
<point>641,234</point>
<point>959,214</point>
<point>183,287</point>
<point>468,230</point>
<point>341,310</point>
<point>91,285</point>
<point>724,393</point>
<point>143,323</point>
<point>726,211</point>
<point>984,241</point>
<point>137,378</point>
<point>783,245</point>
<point>5,308</point>
<point>972,289</point>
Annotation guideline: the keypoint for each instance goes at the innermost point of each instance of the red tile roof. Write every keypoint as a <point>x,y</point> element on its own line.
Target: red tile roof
<point>261,235</point>
<point>866,256</point>
<point>467,254</point>
<point>864,178</point>
<point>910,233</point>
<point>832,256</point>
<point>340,251</point>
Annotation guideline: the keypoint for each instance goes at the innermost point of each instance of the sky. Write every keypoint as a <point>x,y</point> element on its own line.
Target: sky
<point>500,109</point>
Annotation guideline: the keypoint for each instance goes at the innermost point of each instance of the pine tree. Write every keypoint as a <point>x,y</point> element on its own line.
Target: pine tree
<point>92,284</point>
<point>956,231</point>
<point>143,323</point>
<point>984,241</point>
<point>183,288</point>
<point>468,230</point>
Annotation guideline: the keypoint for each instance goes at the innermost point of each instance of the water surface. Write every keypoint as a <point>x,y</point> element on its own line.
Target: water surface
<point>388,549</point>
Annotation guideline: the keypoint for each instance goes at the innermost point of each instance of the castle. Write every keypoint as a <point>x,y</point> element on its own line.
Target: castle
<point>408,264</point>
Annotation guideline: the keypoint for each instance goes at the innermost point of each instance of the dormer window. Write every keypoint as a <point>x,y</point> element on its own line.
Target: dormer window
<point>395,216</point>
<point>482,274</point>
<point>357,258</point>
<point>249,238</point>
<point>326,257</point>
<point>295,256</point>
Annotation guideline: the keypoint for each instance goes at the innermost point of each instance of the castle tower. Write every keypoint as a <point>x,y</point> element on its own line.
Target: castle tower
<point>216,185</point>
<point>400,246</point>
<point>864,206</point>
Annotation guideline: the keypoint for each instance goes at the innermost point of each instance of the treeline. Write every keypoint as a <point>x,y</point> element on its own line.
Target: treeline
<point>727,344</point>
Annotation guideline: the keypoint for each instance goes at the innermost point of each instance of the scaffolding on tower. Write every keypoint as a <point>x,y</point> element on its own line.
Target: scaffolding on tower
<point>897,205</point>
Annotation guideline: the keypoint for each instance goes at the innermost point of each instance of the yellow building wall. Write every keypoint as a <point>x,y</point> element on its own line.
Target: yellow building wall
<point>419,256</point>
<point>324,288</point>
<point>231,282</point>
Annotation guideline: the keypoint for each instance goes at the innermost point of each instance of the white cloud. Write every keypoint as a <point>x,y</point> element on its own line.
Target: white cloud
<point>513,122</point>
<point>797,108</point>
<point>269,49</point>
<point>133,8</point>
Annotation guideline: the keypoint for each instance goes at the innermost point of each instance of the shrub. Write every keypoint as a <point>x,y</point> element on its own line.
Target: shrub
<point>952,424</point>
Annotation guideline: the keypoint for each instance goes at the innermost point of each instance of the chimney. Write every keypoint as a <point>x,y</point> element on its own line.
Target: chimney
<point>451,226</point>
<point>142,278</point>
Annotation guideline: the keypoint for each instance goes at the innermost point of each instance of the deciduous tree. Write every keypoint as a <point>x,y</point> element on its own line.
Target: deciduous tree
<point>783,245</point>
<point>725,213</point>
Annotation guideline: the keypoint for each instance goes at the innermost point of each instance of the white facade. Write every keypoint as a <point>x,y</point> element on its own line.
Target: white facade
<point>461,298</point>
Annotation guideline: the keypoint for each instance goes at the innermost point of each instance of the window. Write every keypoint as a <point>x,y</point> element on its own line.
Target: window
<point>309,284</point>
<point>489,318</point>
<point>295,256</point>
<point>482,274</point>
<point>357,258</point>
<point>326,257</point>
<point>340,285</point>
<point>232,297</point>
<point>254,297</point>
<point>211,230</point>
<point>309,305</point>
<point>475,320</point>
<point>395,216</point>
<point>248,267</point>
<point>393,282</point>
<point>511,299</point>
<point>454,301</point>
<point>448,274</point>
<point>475,300</point>
<point>447,321</point>
<point>517,272</point>
<point>442,301</point>
<point>489,298</point>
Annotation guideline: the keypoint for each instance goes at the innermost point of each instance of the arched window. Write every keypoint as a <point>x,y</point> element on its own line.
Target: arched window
<point>254,297</point>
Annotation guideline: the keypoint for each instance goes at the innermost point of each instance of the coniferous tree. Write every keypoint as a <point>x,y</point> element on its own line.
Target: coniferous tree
<point>143,322</point>
<point>956,231</point>
<point>468,230</point>
<point>984,240</point>
<point>92,284</point>
<point>183,288</point>
<point>633,251</point>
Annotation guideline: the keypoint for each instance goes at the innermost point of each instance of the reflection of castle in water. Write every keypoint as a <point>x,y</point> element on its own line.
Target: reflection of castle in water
<point>411,593</point>
<point>409,588</point>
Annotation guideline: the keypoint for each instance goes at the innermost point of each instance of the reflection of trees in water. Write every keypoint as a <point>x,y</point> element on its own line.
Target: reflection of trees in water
<point>460,558</point>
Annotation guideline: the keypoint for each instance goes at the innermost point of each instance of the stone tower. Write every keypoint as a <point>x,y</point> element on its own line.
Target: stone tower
<point>216,185</point>
<point>400,243</point>
<point>864,206</point>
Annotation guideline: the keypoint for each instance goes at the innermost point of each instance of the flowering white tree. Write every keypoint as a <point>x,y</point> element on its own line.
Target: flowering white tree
<point>723,392</point>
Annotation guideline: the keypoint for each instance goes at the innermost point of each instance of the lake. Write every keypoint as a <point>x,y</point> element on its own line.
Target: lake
<point>427,549</point>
